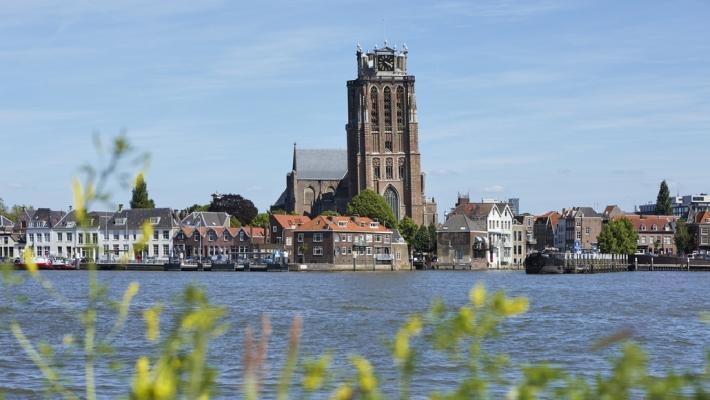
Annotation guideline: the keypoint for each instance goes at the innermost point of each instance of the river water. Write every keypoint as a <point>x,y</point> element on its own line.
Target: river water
<point>353,313</point>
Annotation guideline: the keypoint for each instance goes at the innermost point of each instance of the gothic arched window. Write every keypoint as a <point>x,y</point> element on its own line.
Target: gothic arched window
<point>389,171</point>
<point>388,109</point>
<point>401,170</point>
<point>309,195</point>
<point>392,200</point>
<point>400,109</point>
<point>376,168</point>
<point>374,110</point>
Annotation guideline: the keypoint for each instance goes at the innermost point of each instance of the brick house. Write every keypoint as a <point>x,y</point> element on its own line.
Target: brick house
<point>545,229</point>
<point>8,238</point>
<point>700,230</point>
<point>281,227</point>
<point>656,232</point>
<point>578,224</point>
<point>462,243</point>
<point>347,244</point>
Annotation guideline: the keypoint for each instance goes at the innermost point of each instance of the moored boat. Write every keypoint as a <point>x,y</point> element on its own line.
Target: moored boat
<point>544,263</point>
<point>41,263</point>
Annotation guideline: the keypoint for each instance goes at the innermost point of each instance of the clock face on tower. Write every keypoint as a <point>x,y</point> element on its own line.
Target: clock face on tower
<point>385,62</point>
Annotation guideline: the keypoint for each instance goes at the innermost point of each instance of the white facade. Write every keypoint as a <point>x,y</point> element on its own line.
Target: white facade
<point>500,235</point>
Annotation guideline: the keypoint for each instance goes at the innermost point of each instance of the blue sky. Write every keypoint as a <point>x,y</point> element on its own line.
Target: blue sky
<point>558,102</point>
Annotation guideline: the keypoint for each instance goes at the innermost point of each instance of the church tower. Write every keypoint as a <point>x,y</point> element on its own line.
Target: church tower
<point>383,134</point>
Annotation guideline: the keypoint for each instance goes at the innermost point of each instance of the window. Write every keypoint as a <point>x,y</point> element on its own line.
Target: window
<point>300,251</point>
<point>274,228</point>
<point>389,172</point>
<point>387,238</point>
<point>343,250</point>
<point>115,250</point>
<point>300,238</point>
<point>643,239</point>
<point>181,236</point>
<point>342,224</point>
<point>667,240</point>
<point>70,236</point>
<point>166,249</point>
<point>166,235</point>
<point>80,238</point>
<point>155,250</point>
<point>398,256</point>
<point>95,237</point>
<point>376,173</point>
<point>125,248</point>
<point>59,250</point>
<point>369,251</point>
<point>289,241</point>
<point>59,237</point>
<point>388,112</point>
<point>374,110</point>
<point>154,220</point>
<point>643,227</point>
<point>400,109</point>
<point>115,236</point>
<point>309,196</point>
<point>39,237</point>
<point>654,227</point>
<point>400,168</point>
<point>211,236</point>
<point>350,237</point>
<point>368,238</point>
<point>119,221</point>
<point>317,237</point>
<point>579,234</point>
<point>227,236</point>
<point>242,236</point>
<point>317,250</point>
<point>392,199</point>
<point>378,238</point>
<point>336,238</point>
<point>155,235</point>
<point>704,231</point>
<point>587,230</point>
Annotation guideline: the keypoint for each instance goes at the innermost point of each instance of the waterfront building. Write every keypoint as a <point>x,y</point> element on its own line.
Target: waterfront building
<point>8,239</point>
<point>522,238</point>
<point>39,231</point>
<point>656,233</point>
<point>125,229</point>
<point>699,228</point>
<point>462,243</point>
<point>545,230</point>
<point>69,239</point>
<point>382,147</point>
<point>499,225</point>
<point>611,212</point>
<point>207,241</point>
<point>347,243</point>
<point>281,228</point>
<point>578,228</point>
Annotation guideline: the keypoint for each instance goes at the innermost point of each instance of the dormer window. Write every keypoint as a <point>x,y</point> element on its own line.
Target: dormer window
<point>154,220</point>
<point>342,224</point>
<point>120,221</point>
<point>374,224</point>
<point>643,227</point>
<point>242,236</point>
<point>71,224</point>
<point>212,236</point>
<point>654,227</point>
<point>227,237</point>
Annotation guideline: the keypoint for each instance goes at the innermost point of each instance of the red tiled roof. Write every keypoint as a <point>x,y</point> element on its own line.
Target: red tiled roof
<point>343,224</point>
<point>648,221</point>
<point>474,210</point>
<point>287,221</point>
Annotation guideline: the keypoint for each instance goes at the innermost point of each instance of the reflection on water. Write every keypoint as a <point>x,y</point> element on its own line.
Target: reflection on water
<point>353,313</point>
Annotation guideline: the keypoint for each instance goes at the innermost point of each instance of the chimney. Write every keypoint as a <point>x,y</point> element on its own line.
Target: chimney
<point>70,207</point>
<point>120,207</point>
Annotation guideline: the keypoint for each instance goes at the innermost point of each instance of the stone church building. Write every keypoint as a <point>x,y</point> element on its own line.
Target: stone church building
<point>382,147</point>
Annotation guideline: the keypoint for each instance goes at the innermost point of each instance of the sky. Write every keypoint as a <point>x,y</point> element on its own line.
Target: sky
<point>558,102</point>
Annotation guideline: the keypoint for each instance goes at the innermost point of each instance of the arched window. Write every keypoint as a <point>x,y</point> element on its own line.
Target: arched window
<point>392,200</point>
<point>309,195</point>
<point>376,168</point>
<point>400,108</point>
<point>329,195</point>
<point>401,169</point>
<point>388,109</point>
<point>374,110</point>
<point>389,170</point>
<point>654,227</point>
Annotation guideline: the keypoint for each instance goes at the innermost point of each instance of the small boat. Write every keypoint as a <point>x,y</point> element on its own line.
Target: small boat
<point>544,263</point>
<point>41,263</point>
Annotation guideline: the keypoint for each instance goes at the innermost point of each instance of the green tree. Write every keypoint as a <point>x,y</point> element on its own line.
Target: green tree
<point>233,204</point>
<point>683,240</point>
<point>140,198</point>
<point>408,229</point>
<point>422,242</point>
<point>261,220</point>
<point>370,204</point>
<point>618,236</point>
<point>329,213</point>
<point>663,201</point>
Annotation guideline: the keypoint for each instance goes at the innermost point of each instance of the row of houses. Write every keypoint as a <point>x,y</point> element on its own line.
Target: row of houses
<point>324,242</point>
<point>488,234</point>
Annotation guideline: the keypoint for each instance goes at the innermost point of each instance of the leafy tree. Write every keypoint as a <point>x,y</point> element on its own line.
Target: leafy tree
<point>233,204</point>
<point>422,241</point>
<point>663,201</point>
<point>370,204</point>
<point>261,220</point>
<point>140,198</point>
<point>329,213</point>
<point>683,240</point>
<point>277,211</point>
<point>197,208</point>
<point>234,222</point>
<point>408,229</point>
<point>618,236</point>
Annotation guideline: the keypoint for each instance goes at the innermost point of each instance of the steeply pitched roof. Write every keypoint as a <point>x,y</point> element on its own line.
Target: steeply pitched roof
<point>321,164</point>
<point>95,219</point>
<point>703,217</point>
<point>135,218</point>
<point>290,221</point>
<point>462,223</point>
<point>5,222</point>
<point>49,217</point>
<point>206,218</point>
<point>647,221</point>
<point>474,210</point>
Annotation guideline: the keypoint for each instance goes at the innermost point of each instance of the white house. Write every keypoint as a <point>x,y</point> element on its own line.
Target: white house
<point>125,229</point>
<point>39,231</point>
<point>499,225</point>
